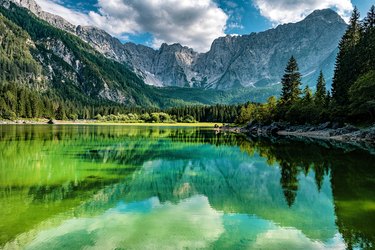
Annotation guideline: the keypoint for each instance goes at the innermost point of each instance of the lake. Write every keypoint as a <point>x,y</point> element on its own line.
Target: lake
<point>123,187</point>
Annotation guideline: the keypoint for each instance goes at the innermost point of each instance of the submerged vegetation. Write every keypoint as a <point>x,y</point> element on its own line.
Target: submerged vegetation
<point>85,171</point>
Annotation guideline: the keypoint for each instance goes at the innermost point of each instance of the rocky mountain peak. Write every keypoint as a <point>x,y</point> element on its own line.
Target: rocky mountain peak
<point>33,7</point>
<point>327,15</point>
<point>176,47</point>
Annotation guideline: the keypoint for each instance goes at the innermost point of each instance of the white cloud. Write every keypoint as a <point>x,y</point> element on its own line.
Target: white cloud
<point>285,11</point>
<point>290,238</point>
<point>118,228</point>
<point>72,16</point>
<point>189,22</point>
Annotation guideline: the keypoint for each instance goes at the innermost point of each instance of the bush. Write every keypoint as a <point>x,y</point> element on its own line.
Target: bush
<point>9,115</point>
<point>188,119</point>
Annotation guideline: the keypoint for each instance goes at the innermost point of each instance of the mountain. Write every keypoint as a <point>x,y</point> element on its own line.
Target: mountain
<point>254,60</point>
<point>259,59</point>
<point>53,61</point>
<point>37,54</point>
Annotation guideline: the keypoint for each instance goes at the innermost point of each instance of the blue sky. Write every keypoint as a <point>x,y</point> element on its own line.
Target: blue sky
<point>195,23</point>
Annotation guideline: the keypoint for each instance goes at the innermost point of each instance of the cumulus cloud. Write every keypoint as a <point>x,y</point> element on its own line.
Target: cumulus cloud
<point>189,22</point>
<point>74,17</point>
<point>120,228</point>
<point>285,11</point>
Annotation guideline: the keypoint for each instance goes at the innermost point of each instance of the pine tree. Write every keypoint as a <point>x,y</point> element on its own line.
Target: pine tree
<point>347,66</point>
<point>366,48</point>
<point>353,33</point>
<point>21,103</point>
<point>369,21</point>
<point>321,91</point>
<point>291,82</point>
<point>328,99</point>
<point>307,96</point>
<point>60,113</point>
<point>362,96</point>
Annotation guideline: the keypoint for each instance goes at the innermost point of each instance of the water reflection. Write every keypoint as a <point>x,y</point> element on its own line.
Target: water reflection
<point>78,186</point>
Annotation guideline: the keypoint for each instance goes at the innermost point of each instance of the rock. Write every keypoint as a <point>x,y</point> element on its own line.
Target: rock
<point>344,131</point>
<point>51,122</point>
<point>350,128</point>
<point>249,125</point>
<point>335,125</point>
<point>370,135</point>
<point>274,130</point>
<point>54,20</point>
<point>324,126</point>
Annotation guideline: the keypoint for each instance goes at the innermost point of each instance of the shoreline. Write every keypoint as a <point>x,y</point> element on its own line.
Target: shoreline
<point>327,131</point>
<point>94,122</point>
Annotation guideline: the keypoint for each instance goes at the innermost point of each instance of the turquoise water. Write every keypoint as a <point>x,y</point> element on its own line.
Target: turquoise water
<point>114,187</point>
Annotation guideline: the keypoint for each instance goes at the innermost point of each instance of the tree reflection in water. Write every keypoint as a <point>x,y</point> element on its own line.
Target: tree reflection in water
<point>62,166</point>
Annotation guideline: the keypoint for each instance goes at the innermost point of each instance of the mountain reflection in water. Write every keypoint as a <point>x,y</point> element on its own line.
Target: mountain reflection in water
<point>114,187</point>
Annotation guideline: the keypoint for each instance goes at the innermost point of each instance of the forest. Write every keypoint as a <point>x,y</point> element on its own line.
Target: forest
<point>352,98</point>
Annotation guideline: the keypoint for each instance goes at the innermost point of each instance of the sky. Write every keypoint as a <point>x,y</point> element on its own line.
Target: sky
<point>193,23</point>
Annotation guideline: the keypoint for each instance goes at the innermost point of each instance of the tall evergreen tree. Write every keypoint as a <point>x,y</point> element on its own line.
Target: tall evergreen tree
<point>347,68</point>
<point>369,21</point>
<point>321,91</point>
<point>366,48</point>
<point>307,95</point>
<point>291,82</point>
<point>60,113</point>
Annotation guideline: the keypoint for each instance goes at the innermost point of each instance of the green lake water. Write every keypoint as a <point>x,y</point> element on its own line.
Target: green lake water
<point>121,187</point>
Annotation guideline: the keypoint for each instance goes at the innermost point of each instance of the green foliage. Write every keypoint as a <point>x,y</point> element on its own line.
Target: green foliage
<point>307,96</point>
<point>369,21</point>
<point>261,113</point>
<point>156,117</point>
<point>60,113</point>
<point>247,113</point>
<point>362,96</point>
<point>320,96</point>
<point>215,113</point>
<point>16,61</point>
<point>347,62</point>
<point>188,119</point>
<point>18,101</point>
<point>353,93</point>
<point>353,73</point>
<point>291,82</point>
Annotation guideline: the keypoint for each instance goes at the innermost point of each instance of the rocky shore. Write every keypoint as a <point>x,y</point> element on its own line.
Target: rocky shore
<point>327,131</point>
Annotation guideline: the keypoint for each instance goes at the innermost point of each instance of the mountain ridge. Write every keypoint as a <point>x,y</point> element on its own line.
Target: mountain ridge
<point>231,62</point>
